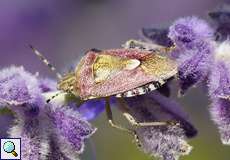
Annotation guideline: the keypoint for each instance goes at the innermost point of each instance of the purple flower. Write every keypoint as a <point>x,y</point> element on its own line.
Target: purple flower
<point>219,91</point>
<point>220,113</point>
<point>34,135</point>
<point>55,151</point>
<point>219,80</point>
<point>186,31</point>
<point>166,142</point>
<point>202,54</point>
<point>194,50</point>
<point>194,65</point>
<point>41,126</point>
<point>221,19</point>
<point>18,86</point>
<point>200,59</point>
<point>71,128</point>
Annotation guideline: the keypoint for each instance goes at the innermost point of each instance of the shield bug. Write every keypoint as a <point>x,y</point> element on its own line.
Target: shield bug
<point>133,70</point>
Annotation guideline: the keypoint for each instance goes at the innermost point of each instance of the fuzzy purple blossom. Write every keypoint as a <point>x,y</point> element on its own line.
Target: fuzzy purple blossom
<point>166,142</point>
<point>39,124</point>
<point>221,19</point>
<point>71,128</point>
<point>219,90</point>
<point>202,54</point>
<point>220,113</point>
<point>192,38</point>
<point>207,61</point>
<point>203,59</point>
<point>194,50</point>
<point>194,65</point>
<point>18,86</point>
<point>186,31</point>
<point>55,151</point>
<point>219,80</point>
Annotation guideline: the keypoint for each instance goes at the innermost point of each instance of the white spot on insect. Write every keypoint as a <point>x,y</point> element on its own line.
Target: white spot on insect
<point>132,64</point>
<point>119,95</point>
<point>141,90</point>
<point>129,94</point>
<point>151,86</point>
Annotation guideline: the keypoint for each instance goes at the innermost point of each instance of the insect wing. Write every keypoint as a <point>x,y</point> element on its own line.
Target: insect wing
<point>112,72</point>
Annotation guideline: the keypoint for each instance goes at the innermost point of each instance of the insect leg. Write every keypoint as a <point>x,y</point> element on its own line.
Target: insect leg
<point>111,122</point>
<point>136,138</point>
<point>133,122</point>
<point>224,97</point>
<point>110,118</point>
<point>45,61</point>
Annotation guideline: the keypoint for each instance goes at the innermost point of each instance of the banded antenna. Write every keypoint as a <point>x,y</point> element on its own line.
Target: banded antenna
<point>51,67</point>
<point>45,61</point>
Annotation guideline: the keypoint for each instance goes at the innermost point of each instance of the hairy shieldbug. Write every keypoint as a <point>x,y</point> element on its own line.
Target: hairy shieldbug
<point>135,69</point>
<point>119,72</point>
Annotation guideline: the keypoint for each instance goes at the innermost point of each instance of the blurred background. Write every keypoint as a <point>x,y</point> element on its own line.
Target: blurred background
<point>64,30</point>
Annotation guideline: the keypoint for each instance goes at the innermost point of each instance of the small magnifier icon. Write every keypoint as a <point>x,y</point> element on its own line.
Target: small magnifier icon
<point>9,147</point>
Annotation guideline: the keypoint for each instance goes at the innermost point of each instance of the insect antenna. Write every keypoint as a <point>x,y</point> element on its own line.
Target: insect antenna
<point>45,61</point>
<point>49,96</point>
<point>54,96</point>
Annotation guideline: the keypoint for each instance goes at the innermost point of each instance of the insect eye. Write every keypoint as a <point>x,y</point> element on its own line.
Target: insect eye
<point>132,44</point>
<point>95,50</point>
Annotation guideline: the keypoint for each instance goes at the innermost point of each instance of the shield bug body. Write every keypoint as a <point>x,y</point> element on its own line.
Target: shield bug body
<point>124,72</point>
<point>134,70</point>
<point>119,72</point>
